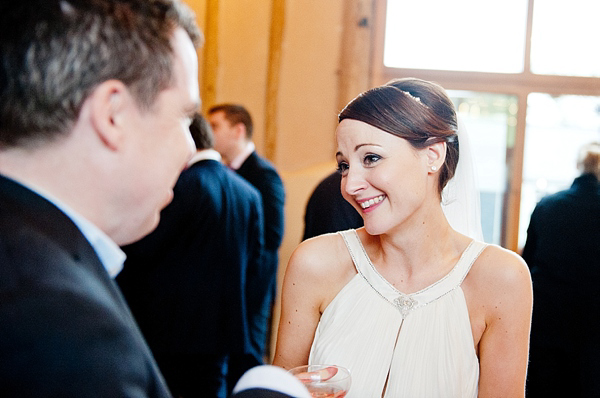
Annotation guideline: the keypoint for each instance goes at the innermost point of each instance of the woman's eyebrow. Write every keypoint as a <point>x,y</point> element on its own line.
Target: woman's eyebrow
<point>356,148</point>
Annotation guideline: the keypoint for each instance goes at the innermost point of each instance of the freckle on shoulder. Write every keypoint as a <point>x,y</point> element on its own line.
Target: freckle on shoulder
<point>319,246</point>
<point>319,253</point>
<point>501,264</point>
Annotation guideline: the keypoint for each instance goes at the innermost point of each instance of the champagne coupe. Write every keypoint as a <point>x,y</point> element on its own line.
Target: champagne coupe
<point>324,381</point>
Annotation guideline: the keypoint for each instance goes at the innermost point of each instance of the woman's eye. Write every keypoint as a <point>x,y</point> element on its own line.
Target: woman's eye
<point>370,159</point>
<point>342,168</point>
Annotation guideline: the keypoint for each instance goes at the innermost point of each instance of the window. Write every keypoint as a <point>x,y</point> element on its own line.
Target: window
<point>467,35</point>
<point>525,78</point>
<point>564,38</point>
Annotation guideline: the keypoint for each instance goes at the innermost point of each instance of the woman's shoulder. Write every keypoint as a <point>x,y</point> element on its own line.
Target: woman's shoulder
<point>499,272</point>
<point>321,258</point>
<point>320,249</point>
<point>499,263</point>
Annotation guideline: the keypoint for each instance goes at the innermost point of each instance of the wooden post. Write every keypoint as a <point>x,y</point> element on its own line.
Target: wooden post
<point>273,74</point>
<point>211,56</point>
<point>355,54</point>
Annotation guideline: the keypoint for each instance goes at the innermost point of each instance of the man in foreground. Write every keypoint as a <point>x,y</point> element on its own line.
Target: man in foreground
<point>95,102</point>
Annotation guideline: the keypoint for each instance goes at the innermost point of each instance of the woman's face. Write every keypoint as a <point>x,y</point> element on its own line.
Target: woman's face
<point>383,176</point>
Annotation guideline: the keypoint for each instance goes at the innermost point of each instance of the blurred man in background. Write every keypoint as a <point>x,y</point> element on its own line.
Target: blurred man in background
<point>563,253</point>
<point>233,128</point>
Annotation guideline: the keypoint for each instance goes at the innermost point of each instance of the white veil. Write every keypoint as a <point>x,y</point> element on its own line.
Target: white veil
<point>460,197</point>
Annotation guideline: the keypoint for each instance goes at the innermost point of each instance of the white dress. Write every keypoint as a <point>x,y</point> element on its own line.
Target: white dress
<point>420,345</point>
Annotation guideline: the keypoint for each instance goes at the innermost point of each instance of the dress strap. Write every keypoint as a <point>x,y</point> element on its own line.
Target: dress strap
<point>456,276</point>
<point>408,302</point>
<point>356,250</point>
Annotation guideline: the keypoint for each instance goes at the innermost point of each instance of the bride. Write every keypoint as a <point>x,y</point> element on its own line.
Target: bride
<point>411,303</point>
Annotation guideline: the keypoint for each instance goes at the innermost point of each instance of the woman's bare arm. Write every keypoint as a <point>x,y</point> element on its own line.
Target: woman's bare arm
<point>313,276</point>
<point>506,293</point>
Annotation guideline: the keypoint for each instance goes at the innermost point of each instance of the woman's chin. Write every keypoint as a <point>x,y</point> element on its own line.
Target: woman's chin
<point>373,229</point>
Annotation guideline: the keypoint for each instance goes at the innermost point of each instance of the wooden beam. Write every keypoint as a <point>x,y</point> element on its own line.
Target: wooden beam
<point>273,74</point>
<point>210,56</point>
<point>512,205</point>
<point>355,55</point>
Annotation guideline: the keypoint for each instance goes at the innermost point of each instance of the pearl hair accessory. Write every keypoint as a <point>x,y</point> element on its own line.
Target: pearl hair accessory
<point>414,98</point>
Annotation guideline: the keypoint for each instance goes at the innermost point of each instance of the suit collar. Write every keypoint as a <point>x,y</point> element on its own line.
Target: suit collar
<point>239,160</point>
<point>204,154</point>
<point>45,217</point>
<point>586,182</point>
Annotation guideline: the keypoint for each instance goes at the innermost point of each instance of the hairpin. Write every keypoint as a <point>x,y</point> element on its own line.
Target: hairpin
<point>414,98</point>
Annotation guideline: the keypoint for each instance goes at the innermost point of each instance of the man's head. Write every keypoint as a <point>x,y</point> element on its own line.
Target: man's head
<point>201,132</point>
<point>588,160</point>
<point>55,52</point>
<point>232,128</point>
<point>109,88</point>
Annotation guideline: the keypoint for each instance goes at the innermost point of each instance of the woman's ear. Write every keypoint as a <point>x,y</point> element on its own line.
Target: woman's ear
<point>109,102</point>
<point>436,156</point>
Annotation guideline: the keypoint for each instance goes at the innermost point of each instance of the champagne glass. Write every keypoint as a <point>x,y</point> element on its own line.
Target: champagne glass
<point>324,381</point>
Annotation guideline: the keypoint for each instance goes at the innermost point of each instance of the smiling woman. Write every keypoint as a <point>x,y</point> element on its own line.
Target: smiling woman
<point>410,305</point>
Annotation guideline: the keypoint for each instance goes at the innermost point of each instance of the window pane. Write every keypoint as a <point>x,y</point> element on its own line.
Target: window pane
<point>490,120</point>
<point>556,129</point>
<point>564,38</point>
<point>467,35</point>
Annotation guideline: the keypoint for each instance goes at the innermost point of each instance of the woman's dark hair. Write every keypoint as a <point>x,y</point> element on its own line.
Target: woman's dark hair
<point>416,110</point>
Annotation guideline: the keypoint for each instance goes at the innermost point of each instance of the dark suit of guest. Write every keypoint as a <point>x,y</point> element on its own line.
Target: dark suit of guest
<point>563,253</point>
<point>327,210</point>
<point>186,281</point>
<point>65,330</point>
<point>263,176</point>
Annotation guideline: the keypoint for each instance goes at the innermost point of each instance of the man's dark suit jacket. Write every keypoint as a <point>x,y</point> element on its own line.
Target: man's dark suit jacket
<point>65,330</point>
<point>563,253</point>
<point>327,210</point>
<point>187,282</point>
<point>262,175</point>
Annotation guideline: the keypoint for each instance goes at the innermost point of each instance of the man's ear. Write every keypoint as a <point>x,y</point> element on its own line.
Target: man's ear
<point>436,155</point>
<point>109,104</point>
<point>240,131</point>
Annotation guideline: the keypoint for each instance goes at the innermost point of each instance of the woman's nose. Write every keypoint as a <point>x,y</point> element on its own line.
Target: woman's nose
<point>354,182</point>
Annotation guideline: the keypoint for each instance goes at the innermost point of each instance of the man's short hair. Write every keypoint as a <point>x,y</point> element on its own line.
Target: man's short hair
<point>53,53</point>
<point>201,132</point>
<point>235,114</point>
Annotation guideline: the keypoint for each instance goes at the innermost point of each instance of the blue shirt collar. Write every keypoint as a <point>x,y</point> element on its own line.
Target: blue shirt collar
<point>111,256</point>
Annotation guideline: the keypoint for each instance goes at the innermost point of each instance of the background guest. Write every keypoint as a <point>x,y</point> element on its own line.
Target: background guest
<point>563,253</point>
<point>232,127</point>
<point>186,282</point>
<point>328,211</point>
<point>92,94</point>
